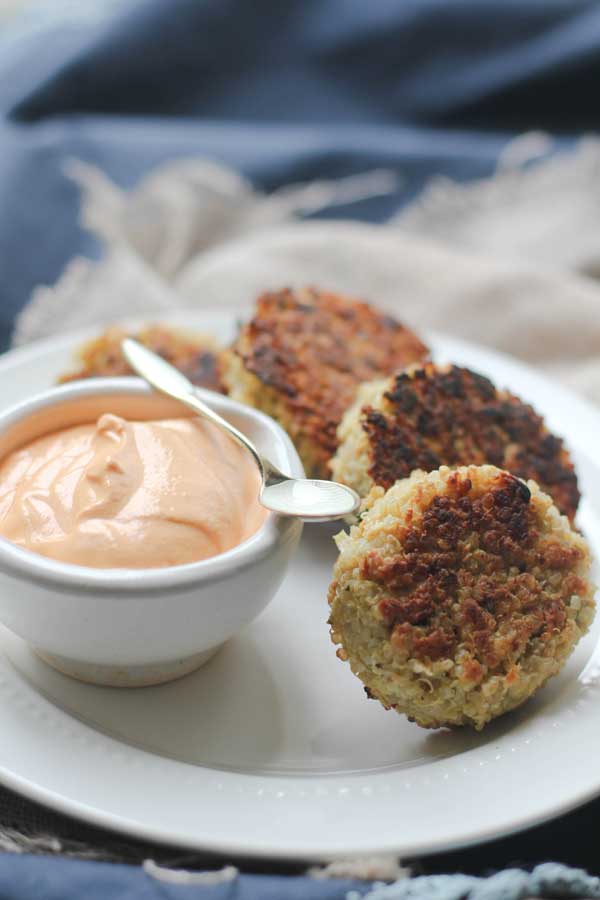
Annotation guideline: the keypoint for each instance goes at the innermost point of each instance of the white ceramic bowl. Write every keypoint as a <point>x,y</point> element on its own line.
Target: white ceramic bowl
<point>131,627</point>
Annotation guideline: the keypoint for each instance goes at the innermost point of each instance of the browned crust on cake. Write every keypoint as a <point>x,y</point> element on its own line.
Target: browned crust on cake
<point>195,355</point>
<point>458,594</point>
<point>464,577</point>
<point>310,350</point>
<point>452,416</point>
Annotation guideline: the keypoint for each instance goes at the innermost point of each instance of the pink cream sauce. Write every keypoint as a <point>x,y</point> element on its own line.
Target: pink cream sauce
<point>129,494</point>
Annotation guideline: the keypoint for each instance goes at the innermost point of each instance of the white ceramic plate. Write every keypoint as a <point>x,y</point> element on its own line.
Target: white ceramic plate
<point>272,749</point>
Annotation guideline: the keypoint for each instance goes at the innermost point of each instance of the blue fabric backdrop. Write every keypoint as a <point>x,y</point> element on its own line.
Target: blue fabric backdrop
<point>38,878</point>
<point>285,90</point>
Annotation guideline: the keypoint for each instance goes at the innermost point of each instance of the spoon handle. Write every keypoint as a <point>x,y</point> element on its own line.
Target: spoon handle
<point>168,380</point>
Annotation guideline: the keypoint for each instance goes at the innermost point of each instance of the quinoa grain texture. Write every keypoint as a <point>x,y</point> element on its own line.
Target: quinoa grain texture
<point>458,594</point>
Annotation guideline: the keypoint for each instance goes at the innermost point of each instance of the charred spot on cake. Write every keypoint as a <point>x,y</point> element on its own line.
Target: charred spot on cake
<point>452,416</point>
<point>461,574</point>
<point>309,350</point>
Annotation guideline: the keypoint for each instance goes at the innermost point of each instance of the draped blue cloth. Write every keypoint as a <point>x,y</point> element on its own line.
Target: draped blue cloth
<point>283,90</point>
<point>39,878</point>
<point>36,878</point>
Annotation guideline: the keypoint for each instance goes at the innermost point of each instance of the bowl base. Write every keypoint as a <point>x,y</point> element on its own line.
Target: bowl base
<point>126,676</point>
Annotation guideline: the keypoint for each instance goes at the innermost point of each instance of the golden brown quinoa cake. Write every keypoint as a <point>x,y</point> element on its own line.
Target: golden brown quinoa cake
<point>447,415</point>
<point>302,356</point>
<point>196,355</point>
<point>458,594</point>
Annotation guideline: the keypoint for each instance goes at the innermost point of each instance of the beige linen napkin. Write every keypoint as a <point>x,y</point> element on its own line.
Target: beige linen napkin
<point>509,262</point>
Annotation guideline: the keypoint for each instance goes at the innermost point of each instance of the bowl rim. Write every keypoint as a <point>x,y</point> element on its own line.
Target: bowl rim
<point>72,578</point>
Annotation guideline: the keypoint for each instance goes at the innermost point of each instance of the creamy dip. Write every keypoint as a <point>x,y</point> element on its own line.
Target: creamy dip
<point>122,494</point>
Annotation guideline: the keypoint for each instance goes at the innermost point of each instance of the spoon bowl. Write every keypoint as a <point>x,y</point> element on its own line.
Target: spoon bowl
<point>311,499</point>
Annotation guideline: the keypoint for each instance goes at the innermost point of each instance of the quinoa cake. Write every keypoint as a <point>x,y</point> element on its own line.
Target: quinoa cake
<point>196,355</point>
<point>459,593</point>
<point>446,415</point>
<point>302,356</point>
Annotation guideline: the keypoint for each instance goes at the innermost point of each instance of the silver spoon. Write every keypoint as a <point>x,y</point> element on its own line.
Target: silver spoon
<point>308,498</point>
